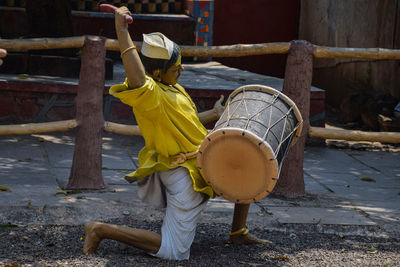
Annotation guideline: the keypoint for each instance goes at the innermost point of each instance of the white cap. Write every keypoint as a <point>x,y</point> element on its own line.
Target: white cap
<point>157,45</point>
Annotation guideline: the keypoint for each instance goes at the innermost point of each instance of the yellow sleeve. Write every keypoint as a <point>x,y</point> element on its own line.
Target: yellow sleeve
<point>144,98</point>
<point>120,87</point>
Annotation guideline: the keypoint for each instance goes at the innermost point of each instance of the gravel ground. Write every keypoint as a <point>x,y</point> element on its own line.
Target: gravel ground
<point>55,245</point>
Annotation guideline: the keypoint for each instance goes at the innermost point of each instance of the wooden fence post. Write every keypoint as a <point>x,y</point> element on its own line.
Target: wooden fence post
<point>297,84</point>
<point>87,161</point>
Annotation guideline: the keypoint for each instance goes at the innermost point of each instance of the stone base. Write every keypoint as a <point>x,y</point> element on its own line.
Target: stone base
<point>27,98</point>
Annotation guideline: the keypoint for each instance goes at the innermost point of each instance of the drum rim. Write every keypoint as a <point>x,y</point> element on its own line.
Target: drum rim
<point>265,148</point>
<point>285,98</point>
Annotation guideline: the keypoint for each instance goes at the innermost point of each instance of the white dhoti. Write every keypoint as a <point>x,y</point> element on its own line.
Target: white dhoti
<point>174,190</point>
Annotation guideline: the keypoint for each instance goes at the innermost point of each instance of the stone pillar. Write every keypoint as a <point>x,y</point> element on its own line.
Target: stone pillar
<point>87,161</point>
<point>297,84</point>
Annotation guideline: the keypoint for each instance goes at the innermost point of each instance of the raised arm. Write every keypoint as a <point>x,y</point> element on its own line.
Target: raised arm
<point>130,58</point>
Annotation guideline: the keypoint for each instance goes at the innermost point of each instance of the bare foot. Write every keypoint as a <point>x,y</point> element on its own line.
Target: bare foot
<point>92,240</point>
<point>247,239</point>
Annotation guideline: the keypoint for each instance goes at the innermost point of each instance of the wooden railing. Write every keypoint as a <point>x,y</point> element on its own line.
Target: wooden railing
<point>86,168</point>
<point>238,50</point>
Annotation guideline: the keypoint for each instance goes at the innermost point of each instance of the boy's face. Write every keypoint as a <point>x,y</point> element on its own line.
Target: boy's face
<point>171,76</point>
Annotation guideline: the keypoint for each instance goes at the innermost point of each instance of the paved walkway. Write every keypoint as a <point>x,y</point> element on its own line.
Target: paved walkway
<point>348,191</point>
<point>204,76</point>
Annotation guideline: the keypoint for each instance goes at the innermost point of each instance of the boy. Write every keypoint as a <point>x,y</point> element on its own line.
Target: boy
<point>172,130</point>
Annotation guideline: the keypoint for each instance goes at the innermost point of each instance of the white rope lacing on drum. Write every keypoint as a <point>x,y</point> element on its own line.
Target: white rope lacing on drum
<point>270,116</point>
<point>247,112</point>
<point>276,96</point>
<point>242,101</point>
<point>282,135</point>
<point>282,138</point>
<point>294,129</point>
<point>229,116</point>
<point>258,112</point>
<point>290,136</point>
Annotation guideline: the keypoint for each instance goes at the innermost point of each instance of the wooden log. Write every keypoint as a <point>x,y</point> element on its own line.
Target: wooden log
<point>37,128</point>
<point>353,135</point>
<point>118,128</point>
<point>237,50</point>
<point>41,43</point>
<point>296,85</point>
<point>361,53</point>
<point>87,161</point>
<point>113,45</point>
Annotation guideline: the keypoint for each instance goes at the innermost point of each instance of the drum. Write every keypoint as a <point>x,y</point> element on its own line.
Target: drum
<point>242,156</point>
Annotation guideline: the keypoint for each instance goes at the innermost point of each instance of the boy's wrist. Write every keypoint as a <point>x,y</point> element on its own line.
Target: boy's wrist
<point>122,29</point>
<point>216,112</point>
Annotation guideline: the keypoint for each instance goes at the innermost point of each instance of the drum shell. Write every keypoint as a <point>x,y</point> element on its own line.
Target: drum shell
<point>261,114</point>
<point>242,156</point>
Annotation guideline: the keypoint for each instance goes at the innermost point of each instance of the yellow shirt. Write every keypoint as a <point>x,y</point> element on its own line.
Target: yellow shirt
<point>168,120</point>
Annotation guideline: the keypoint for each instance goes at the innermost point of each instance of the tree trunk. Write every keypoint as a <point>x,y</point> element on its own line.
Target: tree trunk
<point>87,162</point>
<point>296,86</point>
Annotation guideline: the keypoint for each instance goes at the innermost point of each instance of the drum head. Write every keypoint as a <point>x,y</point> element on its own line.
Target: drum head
<point>238,165</point>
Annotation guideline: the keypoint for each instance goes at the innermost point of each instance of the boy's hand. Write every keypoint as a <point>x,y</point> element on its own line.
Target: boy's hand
<point>218,107</point>
<point>3,53</point>
<point>120,18</point>
<point>107,8</point>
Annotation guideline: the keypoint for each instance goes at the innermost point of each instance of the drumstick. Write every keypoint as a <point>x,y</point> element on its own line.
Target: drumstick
<point>106,8</point>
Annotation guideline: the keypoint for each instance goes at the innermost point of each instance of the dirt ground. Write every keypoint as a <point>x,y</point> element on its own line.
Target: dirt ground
<point>61,246</point>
